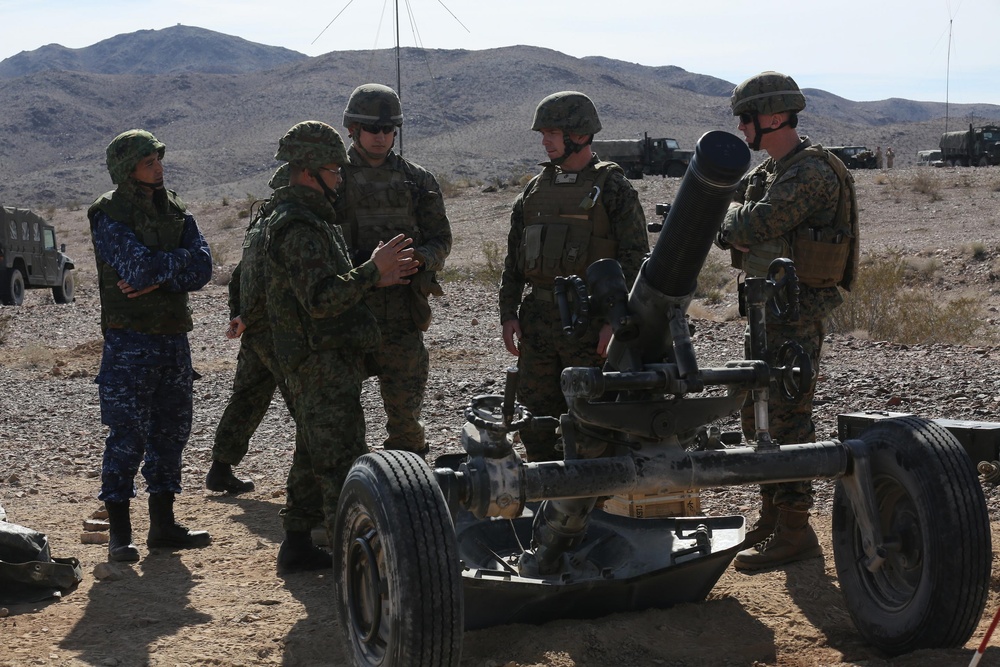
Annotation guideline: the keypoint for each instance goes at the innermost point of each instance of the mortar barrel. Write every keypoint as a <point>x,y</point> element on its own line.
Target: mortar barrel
<point>719,162</point>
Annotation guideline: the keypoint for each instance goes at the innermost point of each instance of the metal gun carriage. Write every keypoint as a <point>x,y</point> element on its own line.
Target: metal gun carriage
<point>486,538</point>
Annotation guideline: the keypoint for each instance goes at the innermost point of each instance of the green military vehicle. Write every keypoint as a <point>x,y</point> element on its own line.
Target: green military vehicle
<point>637,157</point>
<point>854,157</point>
<point>975,147</point>
<point>29,258</point>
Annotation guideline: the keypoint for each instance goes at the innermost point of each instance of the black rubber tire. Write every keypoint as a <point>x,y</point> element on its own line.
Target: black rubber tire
<point>931,590</point>
<point>63,292</point>
<point>397,565</point>
<point>13,288</point>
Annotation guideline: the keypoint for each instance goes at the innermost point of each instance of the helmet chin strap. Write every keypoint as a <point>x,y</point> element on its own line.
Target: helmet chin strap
<point>759,132</point>
<point>569,147</point>
<point>328,192</point>
<point>152,186</point>
<point>356,138</point>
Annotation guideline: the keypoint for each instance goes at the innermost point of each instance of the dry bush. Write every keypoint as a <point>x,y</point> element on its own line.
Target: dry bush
<point>927,183</point>
<point>487,272</point>
<point>713,280</point>
<point>4,326</point>
<point>882,305</point>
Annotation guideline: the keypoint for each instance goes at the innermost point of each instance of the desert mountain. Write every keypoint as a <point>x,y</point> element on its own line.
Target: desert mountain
<point>467,113</point>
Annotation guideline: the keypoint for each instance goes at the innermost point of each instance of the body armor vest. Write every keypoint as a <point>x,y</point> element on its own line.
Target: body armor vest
<point>296,333</point>
<point>159,311</point>
<point>380,205</point>
<point>566,227</point>
<point>253,284</point>
<point>826,253</point>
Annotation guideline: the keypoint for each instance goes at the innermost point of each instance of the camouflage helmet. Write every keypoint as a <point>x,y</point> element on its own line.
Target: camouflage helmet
<point>767,92</point>
<point>373,103</point>
<point>125,151</point>
<point>312,144</point>
<point>279,178</point>
<point>569,111</point>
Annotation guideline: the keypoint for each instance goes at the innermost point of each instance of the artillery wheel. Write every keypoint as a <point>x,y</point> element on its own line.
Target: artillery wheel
<point>13,290</point>
<point>932,588</point>
<point>397,565</point>
<point>63,292</point>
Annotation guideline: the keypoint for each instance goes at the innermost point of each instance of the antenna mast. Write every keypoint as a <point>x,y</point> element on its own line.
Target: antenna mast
<point>399,80</point>
<point>947,77</point>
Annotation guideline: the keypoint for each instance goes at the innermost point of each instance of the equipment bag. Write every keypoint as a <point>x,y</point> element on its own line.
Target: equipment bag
<point>28,573</point>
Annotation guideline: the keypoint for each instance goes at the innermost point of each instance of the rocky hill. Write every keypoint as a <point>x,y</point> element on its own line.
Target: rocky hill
<point>221,103</point>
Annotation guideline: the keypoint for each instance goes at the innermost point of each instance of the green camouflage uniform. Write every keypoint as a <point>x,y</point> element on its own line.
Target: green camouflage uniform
<point>776,201</point>
<point>375,204</point>
<point>321,329</point>
<point>544,349</point>
<point>257,374</point>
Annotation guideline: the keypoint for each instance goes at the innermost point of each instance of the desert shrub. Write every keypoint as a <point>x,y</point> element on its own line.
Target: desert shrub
<point>487,272</point>
<point>978,250</point>
<point>926,182</point>
<point>4,326</point>
<point>218,254</point>
<point>713,278</point>
<point>225,201</point>
<point>882,305</point>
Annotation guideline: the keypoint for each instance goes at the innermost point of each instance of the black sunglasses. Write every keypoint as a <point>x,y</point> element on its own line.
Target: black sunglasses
<point>746,117</point>
<point>376,129</point>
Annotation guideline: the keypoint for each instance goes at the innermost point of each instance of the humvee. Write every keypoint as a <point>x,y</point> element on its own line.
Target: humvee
<point>29,258</point>
<point>854,157</point>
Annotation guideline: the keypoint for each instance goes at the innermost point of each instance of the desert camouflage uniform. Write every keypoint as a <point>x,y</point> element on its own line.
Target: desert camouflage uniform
<point>146,378</point>
<point>322,330</point>
<point>545,349</point>
<point>785,200</point>
<point>375,204</point>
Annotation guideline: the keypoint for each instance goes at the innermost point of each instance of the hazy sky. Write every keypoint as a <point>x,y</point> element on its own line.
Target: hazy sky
<point>859,49</point>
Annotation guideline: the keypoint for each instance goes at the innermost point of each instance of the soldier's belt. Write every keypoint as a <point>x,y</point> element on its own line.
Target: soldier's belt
<point>542,294</point>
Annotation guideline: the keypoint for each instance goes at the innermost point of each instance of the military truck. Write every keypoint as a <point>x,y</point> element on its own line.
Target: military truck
<point>975,147</point>
<point>854,157</point>
<point>29,258</point>
<point>638,157</point>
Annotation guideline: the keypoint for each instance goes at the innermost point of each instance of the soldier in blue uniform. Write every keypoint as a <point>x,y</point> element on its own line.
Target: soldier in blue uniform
<point>150,254</point>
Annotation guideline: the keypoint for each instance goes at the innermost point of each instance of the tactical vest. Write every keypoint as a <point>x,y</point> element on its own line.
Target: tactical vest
<point>253,284</point>
<point>296,333</point>
<point>380,203</point>
<point>825,255</point>
<point>156,312</point>
<point>566,227</point>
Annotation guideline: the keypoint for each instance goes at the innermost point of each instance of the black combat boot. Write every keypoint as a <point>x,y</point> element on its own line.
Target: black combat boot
<point>164,531</point>
<point>120,547</point>
<point>221,478</point>
<point>299,554</point>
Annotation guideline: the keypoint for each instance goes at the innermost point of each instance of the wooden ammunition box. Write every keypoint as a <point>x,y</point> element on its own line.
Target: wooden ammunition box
<point>655,506</point>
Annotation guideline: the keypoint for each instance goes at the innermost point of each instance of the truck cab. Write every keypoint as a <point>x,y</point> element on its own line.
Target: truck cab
<point>31,259</point>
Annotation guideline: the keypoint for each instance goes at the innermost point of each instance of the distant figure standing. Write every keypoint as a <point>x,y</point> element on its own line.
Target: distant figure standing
<point>878,157</point>
<point>889,157</point>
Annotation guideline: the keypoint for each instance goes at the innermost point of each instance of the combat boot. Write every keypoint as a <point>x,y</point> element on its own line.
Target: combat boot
<point>164,531</point>
<point>221,478</point>
<point>765,523</point>
<point>793,540</point>
<point>120,547</point>
<point>298,554</point>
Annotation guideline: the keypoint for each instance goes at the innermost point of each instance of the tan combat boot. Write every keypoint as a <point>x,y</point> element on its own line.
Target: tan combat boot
<point>765,523</point>
<point>793,539</point>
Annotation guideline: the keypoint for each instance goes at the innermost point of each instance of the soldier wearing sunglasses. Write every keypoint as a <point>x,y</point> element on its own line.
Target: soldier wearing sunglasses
<point>799,203</point>
<point>383,195</point>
